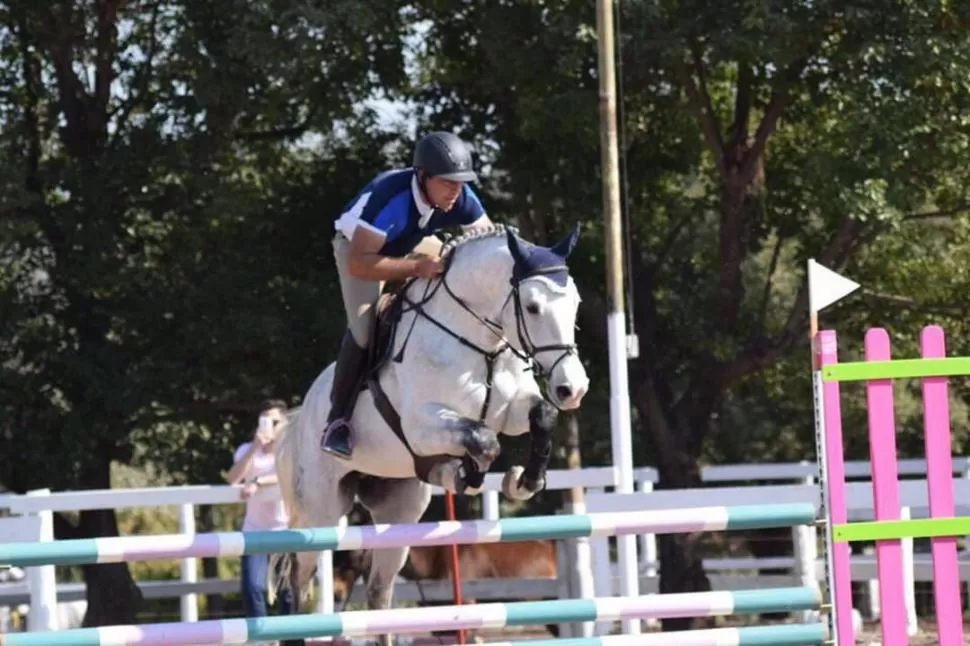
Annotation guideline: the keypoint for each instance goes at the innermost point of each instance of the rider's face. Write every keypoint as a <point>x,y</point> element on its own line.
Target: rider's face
<point>442,193</point>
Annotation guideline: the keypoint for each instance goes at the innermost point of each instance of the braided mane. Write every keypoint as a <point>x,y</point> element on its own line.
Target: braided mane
<point>496,230</point>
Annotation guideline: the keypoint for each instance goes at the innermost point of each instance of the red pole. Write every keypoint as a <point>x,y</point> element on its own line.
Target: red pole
<point>455,574</point>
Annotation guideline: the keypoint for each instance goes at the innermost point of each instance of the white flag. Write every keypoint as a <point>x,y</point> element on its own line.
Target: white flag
<point>826,287</point>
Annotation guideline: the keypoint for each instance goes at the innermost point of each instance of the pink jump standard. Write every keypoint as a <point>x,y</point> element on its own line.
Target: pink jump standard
<point>878,372</point>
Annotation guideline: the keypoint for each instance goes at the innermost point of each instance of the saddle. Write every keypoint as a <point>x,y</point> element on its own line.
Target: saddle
<point>388,312</point>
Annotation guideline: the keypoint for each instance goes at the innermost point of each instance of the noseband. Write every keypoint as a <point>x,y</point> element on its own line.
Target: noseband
<point>522,328</point>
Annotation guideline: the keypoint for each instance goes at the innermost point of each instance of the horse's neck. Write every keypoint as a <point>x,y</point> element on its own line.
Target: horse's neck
<point>477,279</point>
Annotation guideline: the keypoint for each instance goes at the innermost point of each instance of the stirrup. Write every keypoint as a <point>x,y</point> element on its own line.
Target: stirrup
<point>336,439</point>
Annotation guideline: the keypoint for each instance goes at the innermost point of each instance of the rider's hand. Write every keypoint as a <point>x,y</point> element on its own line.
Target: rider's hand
<point>429,267</point>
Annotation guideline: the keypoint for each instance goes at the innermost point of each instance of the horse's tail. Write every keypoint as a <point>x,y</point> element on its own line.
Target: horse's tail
<point>282,563</point>
<point>286,473</point>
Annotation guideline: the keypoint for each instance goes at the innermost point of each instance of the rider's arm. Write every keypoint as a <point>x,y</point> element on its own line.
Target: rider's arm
<point>378,220</point>
<point>366,261</point>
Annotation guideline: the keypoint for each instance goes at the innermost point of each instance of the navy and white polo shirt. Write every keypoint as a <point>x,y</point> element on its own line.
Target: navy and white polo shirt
<point>392,205</point>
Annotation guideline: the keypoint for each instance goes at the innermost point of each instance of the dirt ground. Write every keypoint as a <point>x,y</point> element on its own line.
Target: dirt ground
<point>927,635</point>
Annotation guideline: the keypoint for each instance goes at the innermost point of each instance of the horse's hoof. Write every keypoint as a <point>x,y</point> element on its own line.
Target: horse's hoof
<point>534,486</point>
<point>510,485</point>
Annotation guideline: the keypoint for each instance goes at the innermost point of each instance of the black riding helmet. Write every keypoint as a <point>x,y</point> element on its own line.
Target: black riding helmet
<point>442,154</point>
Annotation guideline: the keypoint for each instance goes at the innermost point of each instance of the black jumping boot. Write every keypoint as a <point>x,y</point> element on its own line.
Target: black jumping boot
<point>346,382</point>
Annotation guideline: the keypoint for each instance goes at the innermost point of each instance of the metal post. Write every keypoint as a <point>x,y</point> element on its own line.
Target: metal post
<point>455,571</point>
<point>616,325</point>
<point>189,568</point>
<point>42,579</point>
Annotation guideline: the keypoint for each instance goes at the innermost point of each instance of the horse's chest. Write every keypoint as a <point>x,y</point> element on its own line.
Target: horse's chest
<point>465,384</point>
<point>505,384</point>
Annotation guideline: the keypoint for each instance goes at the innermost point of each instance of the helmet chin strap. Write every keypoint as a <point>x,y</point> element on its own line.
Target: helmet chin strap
<point>423,186</point>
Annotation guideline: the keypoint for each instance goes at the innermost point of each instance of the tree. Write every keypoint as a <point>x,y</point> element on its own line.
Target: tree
<point>135,139</point>
<point>757,135</point>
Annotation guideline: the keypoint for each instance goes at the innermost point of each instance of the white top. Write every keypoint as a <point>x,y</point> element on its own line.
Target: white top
<point>265,509</point>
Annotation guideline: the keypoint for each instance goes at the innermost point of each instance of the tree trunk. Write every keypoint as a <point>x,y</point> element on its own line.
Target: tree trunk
<point>677,431</point>
<point>113,598</point>
<point>681,559</point>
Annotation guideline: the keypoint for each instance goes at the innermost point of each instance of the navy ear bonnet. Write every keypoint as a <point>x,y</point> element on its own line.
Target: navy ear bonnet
<point>533,260</point>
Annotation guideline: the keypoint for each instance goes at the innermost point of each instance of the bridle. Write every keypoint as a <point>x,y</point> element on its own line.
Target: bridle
<point>522,329</point>
<point>527,353</point>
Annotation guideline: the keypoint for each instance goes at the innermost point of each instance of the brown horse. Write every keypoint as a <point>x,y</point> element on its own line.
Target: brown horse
<point>519,560</point>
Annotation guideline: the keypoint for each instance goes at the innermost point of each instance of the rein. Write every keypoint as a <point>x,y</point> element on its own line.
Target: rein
<point>528,354</point>
<point>424,464</point>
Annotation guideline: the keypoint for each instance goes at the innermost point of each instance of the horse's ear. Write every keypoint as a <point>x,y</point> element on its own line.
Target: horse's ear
<point>514,247</point>
<point>565,246</point>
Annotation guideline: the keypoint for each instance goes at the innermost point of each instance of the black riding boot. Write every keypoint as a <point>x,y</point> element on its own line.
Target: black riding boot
<point>346,378</point>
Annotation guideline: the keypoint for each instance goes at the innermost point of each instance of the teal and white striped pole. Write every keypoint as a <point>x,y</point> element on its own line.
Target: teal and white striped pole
<point>180,546</point>
<point>475,617</point>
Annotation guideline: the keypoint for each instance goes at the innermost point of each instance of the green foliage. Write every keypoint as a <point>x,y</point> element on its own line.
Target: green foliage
<point>165,264</point>
<point>171,171</point>
<point>756,136</point>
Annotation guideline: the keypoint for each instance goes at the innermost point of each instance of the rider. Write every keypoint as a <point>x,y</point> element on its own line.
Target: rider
<point>385,234</point>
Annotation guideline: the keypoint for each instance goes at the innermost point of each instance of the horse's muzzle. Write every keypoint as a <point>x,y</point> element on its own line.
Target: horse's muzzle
<point>569,397</point>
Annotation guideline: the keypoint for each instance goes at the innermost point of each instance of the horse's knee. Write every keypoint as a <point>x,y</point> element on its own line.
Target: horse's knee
<point>480,442</point>
<point>379,596</point>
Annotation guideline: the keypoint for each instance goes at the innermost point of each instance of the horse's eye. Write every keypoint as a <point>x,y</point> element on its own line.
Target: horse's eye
<point>532,308</point>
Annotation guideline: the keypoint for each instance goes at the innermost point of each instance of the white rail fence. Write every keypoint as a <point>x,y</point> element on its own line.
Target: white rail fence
<point>593,568</point>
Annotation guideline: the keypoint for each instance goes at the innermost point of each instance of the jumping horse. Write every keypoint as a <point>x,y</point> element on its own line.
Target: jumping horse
<point>456,361</point>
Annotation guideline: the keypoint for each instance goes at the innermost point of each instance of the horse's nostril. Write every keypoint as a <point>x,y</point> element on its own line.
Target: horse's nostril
<point>564,392</point>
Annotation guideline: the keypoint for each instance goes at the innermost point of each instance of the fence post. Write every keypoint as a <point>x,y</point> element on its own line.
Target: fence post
<point>648,550</point>
<point>490,505</point>
<point>909,577</point>
<point>189,602</point>
<point>565,552</point>
<point>805,545</point>
<point>966,541</point>
<point>873,609</point>
<point>325,603</point>
<point>602,567</point>
<point>579,564</point>
<point>42,580</point>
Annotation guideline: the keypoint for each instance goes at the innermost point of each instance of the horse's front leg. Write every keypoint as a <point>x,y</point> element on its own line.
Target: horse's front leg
<point>434,430</point>
<point>538,417</point>
<point>542,422</point>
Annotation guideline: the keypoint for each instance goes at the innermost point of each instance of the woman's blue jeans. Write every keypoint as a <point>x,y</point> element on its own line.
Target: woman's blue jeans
<point>253,578</point>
